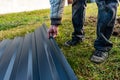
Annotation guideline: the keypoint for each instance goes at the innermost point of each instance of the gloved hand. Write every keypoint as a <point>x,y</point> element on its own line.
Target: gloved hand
<point>53,31</point>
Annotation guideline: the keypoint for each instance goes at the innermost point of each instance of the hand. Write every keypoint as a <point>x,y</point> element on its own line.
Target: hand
<point>53,31</point>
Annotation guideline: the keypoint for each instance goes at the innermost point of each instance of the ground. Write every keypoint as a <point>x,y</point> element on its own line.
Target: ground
<point>116,31</point>
<point>19,24</point>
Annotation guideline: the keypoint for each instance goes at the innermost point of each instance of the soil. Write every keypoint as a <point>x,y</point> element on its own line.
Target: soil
<point>93,20</point>
<point>116,31</point>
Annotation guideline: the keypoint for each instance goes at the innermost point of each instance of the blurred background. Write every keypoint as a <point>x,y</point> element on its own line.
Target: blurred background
<point>10,6</point>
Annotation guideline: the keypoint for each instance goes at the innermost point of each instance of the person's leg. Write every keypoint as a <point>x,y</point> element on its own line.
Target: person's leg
<point>112,11</point>
<point>106,20</point>
<point>78,18</point>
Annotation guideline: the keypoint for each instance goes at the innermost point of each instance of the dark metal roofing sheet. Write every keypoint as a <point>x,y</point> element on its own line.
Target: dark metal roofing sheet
<point>33,57</point>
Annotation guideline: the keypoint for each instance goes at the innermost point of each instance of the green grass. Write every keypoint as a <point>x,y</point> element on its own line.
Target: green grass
<point>26,18</point>
<point>19,24</point>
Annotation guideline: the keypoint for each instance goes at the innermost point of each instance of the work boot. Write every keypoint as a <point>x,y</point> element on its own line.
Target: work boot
<point>99,56</point>
<point>75,40</point>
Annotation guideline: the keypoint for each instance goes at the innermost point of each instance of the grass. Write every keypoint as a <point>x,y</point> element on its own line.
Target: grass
<point>19,24</point>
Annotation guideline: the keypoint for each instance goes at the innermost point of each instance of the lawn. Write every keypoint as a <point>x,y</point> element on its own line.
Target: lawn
<point>19,24</point>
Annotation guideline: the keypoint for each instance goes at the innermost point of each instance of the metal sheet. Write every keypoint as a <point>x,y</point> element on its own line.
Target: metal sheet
<point>33,57</point>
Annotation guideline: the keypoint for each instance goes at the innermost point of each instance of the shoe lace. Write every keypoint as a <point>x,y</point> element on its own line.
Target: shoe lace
<point>98,53</point>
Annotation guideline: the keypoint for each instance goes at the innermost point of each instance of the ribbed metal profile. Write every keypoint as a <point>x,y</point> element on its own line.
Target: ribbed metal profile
<point>33,57</point>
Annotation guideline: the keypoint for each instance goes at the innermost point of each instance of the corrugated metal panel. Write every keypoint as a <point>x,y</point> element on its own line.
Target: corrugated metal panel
<point>33,57</point>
